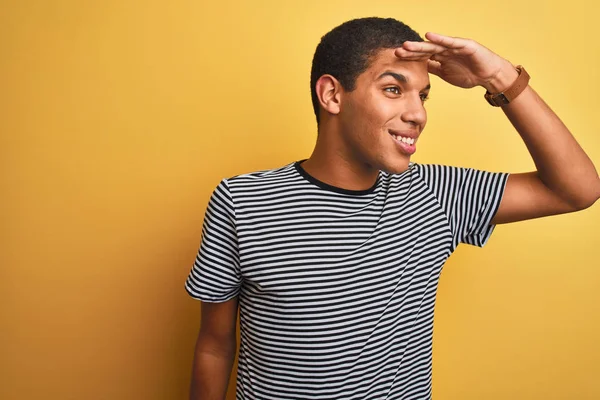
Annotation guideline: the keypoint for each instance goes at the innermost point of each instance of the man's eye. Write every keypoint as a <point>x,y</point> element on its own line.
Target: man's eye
<point>394,88</point>
<point>424,97</point>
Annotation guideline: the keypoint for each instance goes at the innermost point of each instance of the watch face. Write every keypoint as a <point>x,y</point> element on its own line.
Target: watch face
<point>501,99</point>
<point>489,100</point>
<point>496,100</point>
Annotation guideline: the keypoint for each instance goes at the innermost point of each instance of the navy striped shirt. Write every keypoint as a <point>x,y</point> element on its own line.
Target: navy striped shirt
<point>337,287</point>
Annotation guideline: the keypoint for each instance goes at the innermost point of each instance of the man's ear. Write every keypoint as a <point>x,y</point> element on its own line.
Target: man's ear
<point>329,91</point>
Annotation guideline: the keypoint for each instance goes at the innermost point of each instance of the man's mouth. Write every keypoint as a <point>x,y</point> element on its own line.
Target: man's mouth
<point>405,141</point>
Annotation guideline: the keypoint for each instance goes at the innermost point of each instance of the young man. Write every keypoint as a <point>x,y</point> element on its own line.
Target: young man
<point>335,260</point>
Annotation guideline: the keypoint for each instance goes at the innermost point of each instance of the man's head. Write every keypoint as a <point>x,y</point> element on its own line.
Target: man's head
<point>364,92</point>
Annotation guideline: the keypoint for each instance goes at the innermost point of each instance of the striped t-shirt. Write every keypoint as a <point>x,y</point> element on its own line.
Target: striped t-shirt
<point>337,287</point>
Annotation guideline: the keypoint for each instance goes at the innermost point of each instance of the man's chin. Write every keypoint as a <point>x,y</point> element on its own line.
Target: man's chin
<point>396,168</point>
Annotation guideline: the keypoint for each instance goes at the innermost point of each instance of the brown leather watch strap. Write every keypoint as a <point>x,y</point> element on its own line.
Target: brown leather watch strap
<point>505,97</point>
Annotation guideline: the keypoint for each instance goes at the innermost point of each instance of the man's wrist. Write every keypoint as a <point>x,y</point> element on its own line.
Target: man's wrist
<point>505,77</point>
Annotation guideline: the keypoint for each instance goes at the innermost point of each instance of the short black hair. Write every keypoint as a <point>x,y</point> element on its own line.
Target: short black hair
<point>347,50</point>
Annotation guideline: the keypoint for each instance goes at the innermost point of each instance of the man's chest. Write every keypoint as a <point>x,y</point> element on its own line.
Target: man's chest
<point>333,252</point>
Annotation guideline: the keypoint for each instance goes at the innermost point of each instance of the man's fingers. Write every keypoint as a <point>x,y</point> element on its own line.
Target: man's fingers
<point>411,55</point>
<point>434,67</point>
<point>447,41</point>
<point>418,56</point>
<point>424,47</point>
<point>426,53</point>
<point>439,57</point>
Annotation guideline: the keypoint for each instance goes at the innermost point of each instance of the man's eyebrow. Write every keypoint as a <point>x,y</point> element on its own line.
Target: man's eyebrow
<point>399,78</point>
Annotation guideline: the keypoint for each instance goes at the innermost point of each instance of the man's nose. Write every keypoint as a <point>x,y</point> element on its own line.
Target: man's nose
<point>414,112</point>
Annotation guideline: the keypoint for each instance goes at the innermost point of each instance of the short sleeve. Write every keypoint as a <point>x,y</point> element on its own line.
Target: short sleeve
<point>470,198</point>
<point>215,276</point>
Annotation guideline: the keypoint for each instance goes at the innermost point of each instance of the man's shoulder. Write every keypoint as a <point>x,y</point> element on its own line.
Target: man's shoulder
<point>265,177</point>
<point>428,168</point>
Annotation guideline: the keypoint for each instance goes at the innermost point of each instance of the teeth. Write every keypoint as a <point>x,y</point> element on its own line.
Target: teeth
<point>403,139</point>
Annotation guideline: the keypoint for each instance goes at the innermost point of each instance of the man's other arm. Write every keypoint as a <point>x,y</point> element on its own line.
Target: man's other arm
<point>215,350</point>
<point>565,180</point>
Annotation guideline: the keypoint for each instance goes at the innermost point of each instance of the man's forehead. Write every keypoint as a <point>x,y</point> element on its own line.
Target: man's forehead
<point>385,55</point>
<point>386,63</point>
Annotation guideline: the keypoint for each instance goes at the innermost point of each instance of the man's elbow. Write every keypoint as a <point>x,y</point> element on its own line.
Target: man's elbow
<point>589,200</point>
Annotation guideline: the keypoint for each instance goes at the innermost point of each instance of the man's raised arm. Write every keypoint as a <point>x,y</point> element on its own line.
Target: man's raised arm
<point>566,179</point>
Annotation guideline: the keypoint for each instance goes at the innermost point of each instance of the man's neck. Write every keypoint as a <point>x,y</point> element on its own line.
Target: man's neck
<point>332,166</point>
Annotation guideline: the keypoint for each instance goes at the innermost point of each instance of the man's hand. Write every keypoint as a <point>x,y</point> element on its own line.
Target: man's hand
<point>566,179</point>
<point>461,62</point>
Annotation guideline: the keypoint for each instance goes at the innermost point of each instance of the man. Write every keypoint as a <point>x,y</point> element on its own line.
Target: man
<point>335,260</point>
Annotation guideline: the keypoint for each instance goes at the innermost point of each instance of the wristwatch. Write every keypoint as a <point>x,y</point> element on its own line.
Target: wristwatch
<point>505,97</point>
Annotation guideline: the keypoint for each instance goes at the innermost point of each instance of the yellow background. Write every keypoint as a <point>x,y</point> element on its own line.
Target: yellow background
<point>119,118</point>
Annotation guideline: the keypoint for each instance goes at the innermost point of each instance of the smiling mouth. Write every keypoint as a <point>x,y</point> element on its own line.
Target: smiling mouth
<point>406,144</point>
<point>403,139</point>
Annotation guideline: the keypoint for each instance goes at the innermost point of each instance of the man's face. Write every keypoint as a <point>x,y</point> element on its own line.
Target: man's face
<point>387,102</point>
